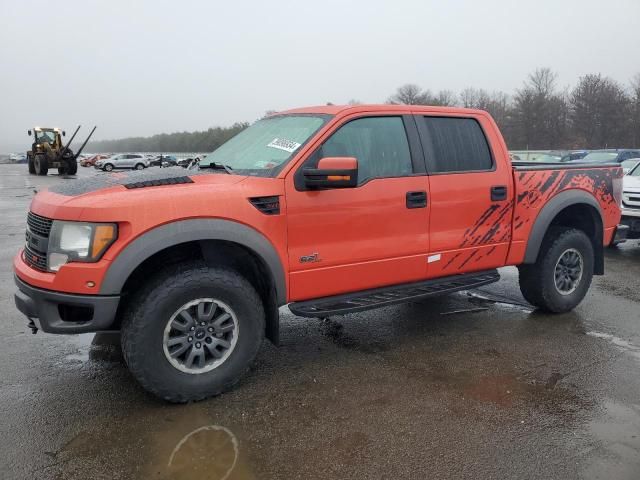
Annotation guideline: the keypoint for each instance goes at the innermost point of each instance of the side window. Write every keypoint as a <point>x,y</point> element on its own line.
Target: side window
<point>379,143</point>
<point>456,145</point>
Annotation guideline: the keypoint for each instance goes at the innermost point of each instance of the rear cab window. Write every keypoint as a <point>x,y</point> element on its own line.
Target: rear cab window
<point>454,145</point>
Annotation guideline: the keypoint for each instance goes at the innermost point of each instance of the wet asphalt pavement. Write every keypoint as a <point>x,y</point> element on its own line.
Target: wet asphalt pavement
<point>473,385</point>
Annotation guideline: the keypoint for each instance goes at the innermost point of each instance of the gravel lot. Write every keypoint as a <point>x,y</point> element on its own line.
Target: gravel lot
<point>474,385</point>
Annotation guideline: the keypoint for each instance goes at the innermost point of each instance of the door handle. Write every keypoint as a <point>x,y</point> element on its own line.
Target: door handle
<point>416,199</point>
<point>498,193</point>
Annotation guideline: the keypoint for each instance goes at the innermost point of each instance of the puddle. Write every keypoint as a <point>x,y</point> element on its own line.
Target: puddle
<point>187,446</point>
<point>100,347</point>
<point>619,343</point>
<point>209,452</point>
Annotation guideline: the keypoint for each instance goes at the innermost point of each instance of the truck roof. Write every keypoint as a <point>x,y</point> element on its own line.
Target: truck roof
<point>341,109</point>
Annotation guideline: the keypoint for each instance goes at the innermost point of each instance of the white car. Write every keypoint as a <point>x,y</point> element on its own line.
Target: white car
<point>631,202</point>
<point>123,160</point>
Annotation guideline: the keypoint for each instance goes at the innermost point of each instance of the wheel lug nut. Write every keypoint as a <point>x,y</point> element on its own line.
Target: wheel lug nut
<point>210,329</point>
<point>192,328</point>
<point>190,339</point>
<point>198,345</point>
<point>202,324</point>
<point>208,340</point>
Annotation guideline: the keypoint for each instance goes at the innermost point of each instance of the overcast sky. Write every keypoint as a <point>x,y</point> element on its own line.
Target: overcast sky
<point>136,68</point>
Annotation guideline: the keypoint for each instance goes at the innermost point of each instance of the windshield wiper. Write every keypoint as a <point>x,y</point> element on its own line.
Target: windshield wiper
<point>218,166</point>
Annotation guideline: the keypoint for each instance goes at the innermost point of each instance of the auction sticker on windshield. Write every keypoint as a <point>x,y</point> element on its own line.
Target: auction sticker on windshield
<point>284,144</point>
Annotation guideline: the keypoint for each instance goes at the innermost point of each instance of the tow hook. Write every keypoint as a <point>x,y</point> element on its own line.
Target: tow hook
<point>33,327</point>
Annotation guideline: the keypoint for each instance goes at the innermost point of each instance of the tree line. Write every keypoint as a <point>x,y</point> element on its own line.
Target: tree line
<point>203,141</point>
<point>598,112</point>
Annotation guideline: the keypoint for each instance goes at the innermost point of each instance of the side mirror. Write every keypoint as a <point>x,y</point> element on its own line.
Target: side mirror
<point>29,132</point>
<point>64,134</point>
<point>333,172</point>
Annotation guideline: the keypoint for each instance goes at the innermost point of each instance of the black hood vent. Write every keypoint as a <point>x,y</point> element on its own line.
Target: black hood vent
<point>159,182</point>
<point>267,205</point>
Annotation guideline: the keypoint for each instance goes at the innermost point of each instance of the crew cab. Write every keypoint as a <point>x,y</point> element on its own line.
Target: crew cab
<point>329,210</point>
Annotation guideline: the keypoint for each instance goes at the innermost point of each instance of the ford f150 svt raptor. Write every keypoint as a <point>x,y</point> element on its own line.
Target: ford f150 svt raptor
<point>328,210</point>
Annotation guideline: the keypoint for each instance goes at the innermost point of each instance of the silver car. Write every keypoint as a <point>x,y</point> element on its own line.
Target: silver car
<point>123,160</point>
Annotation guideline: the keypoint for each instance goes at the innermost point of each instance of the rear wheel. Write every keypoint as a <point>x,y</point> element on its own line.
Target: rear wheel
<point>139,166</point>
<point>108,167</point>
<point>40,165</point>
<point>562,274</point>
<point>192,332</point>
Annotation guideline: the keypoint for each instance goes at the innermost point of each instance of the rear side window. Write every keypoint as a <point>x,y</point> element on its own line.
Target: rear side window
<point>455,145</point>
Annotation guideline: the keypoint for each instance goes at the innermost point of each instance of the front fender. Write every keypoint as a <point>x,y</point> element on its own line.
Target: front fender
<point>183,231</point>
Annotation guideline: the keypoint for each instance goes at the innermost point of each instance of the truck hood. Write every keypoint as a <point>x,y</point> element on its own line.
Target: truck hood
<point>631,183</point>
<point>130,179</point>
<point>171,192</point>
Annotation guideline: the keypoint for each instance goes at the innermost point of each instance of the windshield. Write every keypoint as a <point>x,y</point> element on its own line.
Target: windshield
<point>600,157</point>
<point>45,137</point>
<point>267,145</point>
<point>636,170</point>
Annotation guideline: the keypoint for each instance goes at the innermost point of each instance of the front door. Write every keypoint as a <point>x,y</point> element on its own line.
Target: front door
<point>376,234</point>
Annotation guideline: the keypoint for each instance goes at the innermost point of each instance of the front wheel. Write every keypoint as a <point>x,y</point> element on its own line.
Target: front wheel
<point>40,165</point>
<point>139,166</point>
<point>192,332</point>
<point>562,274</point>
<point>108,167</point>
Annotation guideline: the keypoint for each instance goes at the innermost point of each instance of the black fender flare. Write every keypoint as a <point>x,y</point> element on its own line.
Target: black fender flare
<point>551,209</point>
<point>171,234</point>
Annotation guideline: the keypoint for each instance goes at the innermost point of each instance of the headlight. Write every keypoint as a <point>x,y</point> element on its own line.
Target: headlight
<point>78,242</point>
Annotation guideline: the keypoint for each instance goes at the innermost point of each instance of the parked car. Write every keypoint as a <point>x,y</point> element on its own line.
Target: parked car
<point>163,161</point>
<point>628,165</point>
<point>631,201</point>
<point>610,156</point>
<point>193,269</point>
<point>122,160</point>
<point>91,161</point>
<point>561,156</point>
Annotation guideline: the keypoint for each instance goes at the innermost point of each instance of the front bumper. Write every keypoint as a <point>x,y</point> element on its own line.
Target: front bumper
<point>56,312</point>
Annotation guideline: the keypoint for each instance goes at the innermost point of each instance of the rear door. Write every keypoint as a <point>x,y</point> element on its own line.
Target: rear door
<point>471,191</point>
<point>376,234</point>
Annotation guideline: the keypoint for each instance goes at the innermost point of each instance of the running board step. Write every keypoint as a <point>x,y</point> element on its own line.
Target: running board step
<point>382,297</point>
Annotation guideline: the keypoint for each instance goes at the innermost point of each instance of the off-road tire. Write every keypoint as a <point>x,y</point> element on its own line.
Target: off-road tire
<point>537,281</point>
<point>40,165</point>
<point>32,168</point>
<point>107,167</point>
<point>72,167</point>
<point>148,311</point>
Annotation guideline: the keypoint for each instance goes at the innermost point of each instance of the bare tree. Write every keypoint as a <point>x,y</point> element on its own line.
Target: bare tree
<point>635,111</point>
<point>410,94</point>
<point>600,112</point>
<point>540,113</point>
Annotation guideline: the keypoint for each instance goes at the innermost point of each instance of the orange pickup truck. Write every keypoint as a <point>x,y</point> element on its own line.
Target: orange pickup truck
<point>328,210</point>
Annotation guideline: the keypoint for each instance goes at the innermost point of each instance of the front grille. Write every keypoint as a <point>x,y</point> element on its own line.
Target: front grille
<point>38,224</point>
<point>36,260</point>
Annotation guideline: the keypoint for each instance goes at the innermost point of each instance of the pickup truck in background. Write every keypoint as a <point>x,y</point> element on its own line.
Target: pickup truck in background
<point>631,202</point>
<point>328,210</point>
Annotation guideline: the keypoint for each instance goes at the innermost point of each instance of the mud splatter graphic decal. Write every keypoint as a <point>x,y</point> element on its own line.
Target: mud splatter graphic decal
<point>536,187</point>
